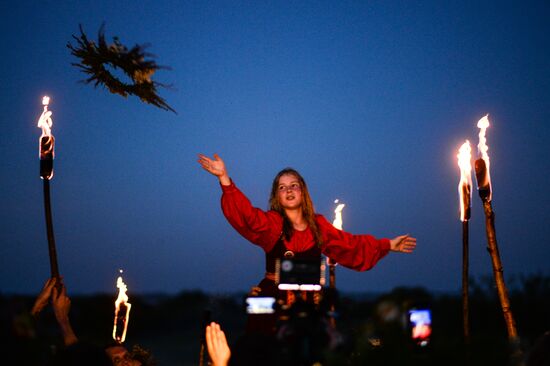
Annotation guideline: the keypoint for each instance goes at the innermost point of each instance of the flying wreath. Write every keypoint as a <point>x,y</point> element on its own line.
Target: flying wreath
<point>95,57</point>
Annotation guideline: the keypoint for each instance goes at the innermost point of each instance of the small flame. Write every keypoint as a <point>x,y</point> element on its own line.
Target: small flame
<point>45,121</point>
<point>46,144</point>
<point>464,186</point>
<point>337,223</point>
<point>123,307</point>
<point>482,148</point>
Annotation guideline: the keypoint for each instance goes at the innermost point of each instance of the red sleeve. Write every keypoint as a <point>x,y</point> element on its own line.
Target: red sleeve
<point>358,252</point>
<point>260,227</point>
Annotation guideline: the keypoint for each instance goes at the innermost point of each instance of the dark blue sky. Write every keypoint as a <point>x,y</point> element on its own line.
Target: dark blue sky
<point>369,100</point>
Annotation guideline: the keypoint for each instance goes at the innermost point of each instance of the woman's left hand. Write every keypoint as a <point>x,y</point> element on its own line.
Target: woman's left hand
<point>403,244</point>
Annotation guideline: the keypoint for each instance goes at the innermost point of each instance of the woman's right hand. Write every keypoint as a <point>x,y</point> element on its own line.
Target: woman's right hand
<point>61,303</point>
<point>215,167</point>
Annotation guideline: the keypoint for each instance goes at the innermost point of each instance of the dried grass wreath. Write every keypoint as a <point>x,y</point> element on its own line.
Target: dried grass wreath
<point>95,57</point>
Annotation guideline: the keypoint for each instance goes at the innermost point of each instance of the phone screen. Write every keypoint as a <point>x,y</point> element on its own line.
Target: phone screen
<point>300,274</point>
<point>421,326</point>
<point>260,305</point>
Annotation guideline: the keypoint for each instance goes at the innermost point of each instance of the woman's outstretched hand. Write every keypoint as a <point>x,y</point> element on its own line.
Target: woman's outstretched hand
<point>403,243</point>
<point>215,167</point>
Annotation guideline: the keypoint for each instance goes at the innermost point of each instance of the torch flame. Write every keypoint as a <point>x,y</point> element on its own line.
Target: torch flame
<point>45,121</point>
<point>464,186</point>
<point>482,148</point>
<point>121,303</point>
<point>337,223</point>
<point>46,141</point>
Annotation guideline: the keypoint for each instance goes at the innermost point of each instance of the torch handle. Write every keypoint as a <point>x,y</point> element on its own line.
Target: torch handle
<point>332,275</point>
<point>206,318</point>
<point>492,247</point>
<point>332,286</point>
<point>201,355</point>
<point>465,290</point>
<point>49,230</point>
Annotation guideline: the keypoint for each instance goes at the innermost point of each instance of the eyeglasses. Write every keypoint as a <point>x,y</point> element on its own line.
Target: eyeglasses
<point>296,187</point>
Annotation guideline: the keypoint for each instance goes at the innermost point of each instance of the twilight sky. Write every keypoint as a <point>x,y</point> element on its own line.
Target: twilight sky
<point>369,100</point>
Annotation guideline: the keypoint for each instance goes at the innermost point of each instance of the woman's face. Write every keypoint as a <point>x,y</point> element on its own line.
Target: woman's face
<point>289,191</point>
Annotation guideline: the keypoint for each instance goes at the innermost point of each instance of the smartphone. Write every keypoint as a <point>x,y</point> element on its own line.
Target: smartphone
<point>260,305</point>
<point>420,324</point>
<point>300,274</point>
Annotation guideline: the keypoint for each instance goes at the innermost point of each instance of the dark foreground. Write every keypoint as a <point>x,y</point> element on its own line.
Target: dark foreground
<point>373,328</point>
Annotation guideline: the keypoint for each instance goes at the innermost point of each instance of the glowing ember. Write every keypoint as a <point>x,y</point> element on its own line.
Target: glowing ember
<point>122,312</point>
<point>47,141</point>
<point>464,186</point>
<point>482,147</point>
<point>337,223</point>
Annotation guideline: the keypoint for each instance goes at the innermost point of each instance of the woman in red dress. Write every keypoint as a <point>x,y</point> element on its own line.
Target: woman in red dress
<point>291,228</point>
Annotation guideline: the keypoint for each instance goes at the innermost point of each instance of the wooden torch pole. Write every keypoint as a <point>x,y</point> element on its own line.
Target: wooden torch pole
<point>484,190</point>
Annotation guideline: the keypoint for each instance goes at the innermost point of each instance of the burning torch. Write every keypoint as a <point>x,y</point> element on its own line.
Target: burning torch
<point>465,194</point>
<point>337,223</point>
<point>484,189</point>
<point>122,312</point>
<point>46,153</point>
